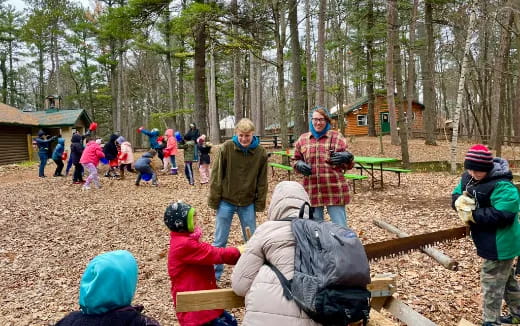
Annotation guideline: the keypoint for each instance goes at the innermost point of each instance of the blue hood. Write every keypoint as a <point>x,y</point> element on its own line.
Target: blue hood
<point>109,282</point>
<point>61,141</point>
<point>254,143</point>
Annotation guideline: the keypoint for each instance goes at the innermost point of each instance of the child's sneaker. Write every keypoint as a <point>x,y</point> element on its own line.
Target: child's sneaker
<point>510,320</point>
<point>85,188</point>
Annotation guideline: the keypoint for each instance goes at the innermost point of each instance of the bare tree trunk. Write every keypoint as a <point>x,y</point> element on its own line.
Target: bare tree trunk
<point>320,60</point>
<point>390,41</point>
<point>308,60</point>
<point>299,107</point>
<point>370,69</point>
<point>214,130</point>
<point>280,38</point>
<point>411,68</point>
<point>199,81</point>
<point>238,89</point>
<point>254,94</point>
<point>259,97</point>
<point>119,91</point>
<point>460,92</point>
<point>401,122</point>
<point>497,108</point>
<point>169,63</point>
<point>430,119</point>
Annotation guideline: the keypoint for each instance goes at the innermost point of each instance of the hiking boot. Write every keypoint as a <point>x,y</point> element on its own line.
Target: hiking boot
<point>173,171</point>
<point>510,320</point>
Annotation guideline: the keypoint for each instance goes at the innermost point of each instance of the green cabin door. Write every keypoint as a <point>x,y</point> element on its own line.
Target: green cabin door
<point>385,122</point>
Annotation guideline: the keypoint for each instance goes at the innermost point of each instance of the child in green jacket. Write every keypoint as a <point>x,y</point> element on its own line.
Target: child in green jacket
<point>488,202</point>
<point>188,145</point>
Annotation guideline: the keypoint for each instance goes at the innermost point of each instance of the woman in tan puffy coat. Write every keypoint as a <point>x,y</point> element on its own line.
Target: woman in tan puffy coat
<point>272,241</point>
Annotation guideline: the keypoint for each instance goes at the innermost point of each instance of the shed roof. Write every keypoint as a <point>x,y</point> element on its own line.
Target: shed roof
<point>54,117</point>
<point>12,116</point>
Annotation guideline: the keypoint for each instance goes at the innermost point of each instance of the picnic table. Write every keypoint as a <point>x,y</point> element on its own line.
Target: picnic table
<point>367,164</point>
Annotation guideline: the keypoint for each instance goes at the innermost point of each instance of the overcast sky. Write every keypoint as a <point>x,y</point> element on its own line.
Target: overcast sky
<point>20,4</point>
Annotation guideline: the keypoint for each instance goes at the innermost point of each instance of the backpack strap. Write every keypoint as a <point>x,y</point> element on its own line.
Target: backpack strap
<point>302,210</point>
<point>286,284</point>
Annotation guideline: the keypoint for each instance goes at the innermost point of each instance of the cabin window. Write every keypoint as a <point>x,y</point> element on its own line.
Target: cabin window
<point>362,120</point>
<point>406,117</point>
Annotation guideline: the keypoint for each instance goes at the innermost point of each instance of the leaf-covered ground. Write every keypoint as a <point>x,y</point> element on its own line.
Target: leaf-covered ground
<point>51,229</point>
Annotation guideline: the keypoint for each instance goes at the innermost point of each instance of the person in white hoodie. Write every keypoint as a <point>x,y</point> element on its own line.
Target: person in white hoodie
<point>273,241</point>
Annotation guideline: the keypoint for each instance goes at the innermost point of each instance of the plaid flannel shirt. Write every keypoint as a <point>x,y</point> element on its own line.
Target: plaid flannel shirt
<point>326,185</point>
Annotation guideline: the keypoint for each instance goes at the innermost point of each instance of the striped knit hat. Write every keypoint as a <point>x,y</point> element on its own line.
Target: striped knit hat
<point>478,158</point>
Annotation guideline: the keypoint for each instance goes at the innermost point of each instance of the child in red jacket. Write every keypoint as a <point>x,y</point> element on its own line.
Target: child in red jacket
<point>190,264</point>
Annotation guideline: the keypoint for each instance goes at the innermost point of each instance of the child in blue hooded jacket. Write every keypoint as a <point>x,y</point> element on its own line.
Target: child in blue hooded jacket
<point>106,291</point>
<point>57,156</point>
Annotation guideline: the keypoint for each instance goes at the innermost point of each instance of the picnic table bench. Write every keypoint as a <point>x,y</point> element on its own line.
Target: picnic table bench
<point>372,164</point>
<point>287,168</point>
<point>354,177</point>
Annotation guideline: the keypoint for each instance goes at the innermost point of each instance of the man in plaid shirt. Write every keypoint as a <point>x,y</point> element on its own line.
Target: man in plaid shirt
<point>321,156</point>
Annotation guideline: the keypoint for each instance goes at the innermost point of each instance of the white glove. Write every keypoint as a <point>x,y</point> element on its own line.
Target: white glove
<point>465,206</point>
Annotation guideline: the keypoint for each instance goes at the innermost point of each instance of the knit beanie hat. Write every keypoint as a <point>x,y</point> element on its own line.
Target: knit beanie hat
<point>478,158</point>
<point>120,140</point>
<point>179,217</point>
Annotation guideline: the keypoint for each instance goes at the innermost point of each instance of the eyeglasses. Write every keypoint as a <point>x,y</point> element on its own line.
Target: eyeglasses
<point>318,120</point>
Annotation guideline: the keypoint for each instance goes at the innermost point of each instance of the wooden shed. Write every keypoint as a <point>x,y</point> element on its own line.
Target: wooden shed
<point>356,116</point>
<point>16,129</point>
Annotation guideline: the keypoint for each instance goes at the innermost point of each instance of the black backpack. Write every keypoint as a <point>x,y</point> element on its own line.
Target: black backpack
<point>331,272</point>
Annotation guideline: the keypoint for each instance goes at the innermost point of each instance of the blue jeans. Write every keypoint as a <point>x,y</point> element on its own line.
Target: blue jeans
<point>337,214</point>
<point>43,161</point>
<point>224,217</point>
<point>173,162</point>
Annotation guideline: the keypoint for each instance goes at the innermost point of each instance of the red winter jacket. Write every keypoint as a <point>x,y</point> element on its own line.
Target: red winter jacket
<point>190,266</point>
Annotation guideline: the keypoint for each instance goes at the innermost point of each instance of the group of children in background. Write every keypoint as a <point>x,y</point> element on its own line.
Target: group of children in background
<point>118,154</point>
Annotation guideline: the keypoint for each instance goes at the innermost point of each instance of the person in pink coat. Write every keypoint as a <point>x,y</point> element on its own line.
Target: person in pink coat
<point>170,152</point>
<point>190,264</point>
<point>90,160</point>
<point>126,156</point>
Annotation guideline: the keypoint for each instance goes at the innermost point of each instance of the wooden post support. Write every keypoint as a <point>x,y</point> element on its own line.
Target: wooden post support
<point>443,259</point>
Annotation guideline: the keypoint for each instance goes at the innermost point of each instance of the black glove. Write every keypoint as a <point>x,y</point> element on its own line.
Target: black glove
<point>303,167</point>
<point>337,158</point>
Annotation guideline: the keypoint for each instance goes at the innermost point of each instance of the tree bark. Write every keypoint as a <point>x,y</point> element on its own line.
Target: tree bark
<point>214,128</point>
<point>238,89</point>
<point>308,60</point>
<point>280,38</point>
<point>390,41</point>
<point>199,78</point>
<point>296,72</point>
<point>320,59</point>
<point>370,69</point>
<point>401,121</point>
<point>410,95</point>
<point>460,92</point>
<point>497,108</point>
<point>430,117</point>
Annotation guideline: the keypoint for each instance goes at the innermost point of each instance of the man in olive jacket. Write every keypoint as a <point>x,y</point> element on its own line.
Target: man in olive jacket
<point>238,183</point>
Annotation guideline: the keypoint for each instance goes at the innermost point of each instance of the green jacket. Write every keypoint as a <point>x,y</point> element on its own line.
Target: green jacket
<point>189,150</point>
<point>238,177</point>
<point>496,229</point>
